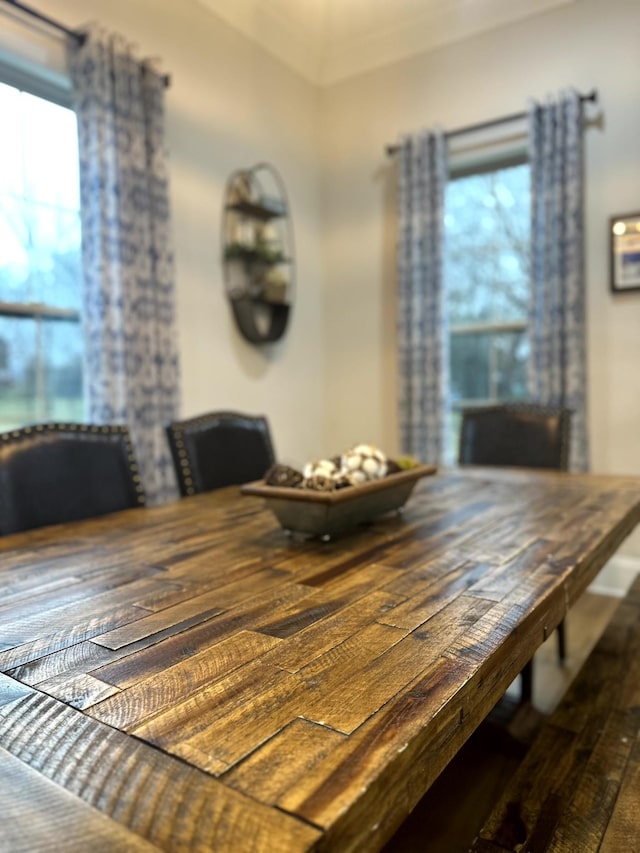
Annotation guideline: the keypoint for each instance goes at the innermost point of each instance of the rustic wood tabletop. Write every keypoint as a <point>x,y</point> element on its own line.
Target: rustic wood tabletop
<point>186,677</point>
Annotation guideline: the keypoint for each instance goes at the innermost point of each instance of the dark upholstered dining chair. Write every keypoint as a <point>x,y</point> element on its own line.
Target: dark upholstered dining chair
<point>219,449</point>
<point>54,473</point>
<point>525,435</point>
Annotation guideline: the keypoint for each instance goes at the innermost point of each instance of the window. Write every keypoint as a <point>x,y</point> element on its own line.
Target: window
<point>486,269</point>
<point>40,264</point>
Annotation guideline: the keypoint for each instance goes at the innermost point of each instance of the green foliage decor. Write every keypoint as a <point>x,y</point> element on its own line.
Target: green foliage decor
<point>253,254</point>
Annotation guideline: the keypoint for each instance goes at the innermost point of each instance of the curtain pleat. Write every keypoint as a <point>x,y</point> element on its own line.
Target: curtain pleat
<point>129,300</point>
<point>557,374</point>
<point>423,334</point>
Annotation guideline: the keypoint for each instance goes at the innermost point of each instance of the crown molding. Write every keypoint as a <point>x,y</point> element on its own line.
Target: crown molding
<point>410,35</point>
<point>328,41</point>
<point>292,32</point>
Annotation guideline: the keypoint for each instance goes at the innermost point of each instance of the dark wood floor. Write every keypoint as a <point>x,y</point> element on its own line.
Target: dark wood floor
<point>453,810</point>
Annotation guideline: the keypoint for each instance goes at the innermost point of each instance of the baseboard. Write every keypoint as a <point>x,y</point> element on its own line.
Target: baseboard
<point>617,576</point>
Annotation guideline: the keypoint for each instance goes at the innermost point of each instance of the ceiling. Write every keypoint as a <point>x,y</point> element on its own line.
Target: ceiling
<point>330,40</point>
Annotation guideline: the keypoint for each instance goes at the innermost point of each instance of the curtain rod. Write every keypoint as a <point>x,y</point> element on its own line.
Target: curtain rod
<point>483,125</point>
<point>45,19</point>
<point>74,35</point>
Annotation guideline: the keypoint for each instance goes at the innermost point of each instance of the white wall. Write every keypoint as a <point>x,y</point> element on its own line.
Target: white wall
<point>588,44</point>
<point>229,106</point>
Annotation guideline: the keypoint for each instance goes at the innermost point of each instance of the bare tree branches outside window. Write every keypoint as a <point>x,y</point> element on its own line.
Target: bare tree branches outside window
<point>487,280</point>
<point>40,274</point>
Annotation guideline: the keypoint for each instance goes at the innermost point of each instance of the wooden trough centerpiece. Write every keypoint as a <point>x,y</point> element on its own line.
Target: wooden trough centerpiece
<point>318,513</point>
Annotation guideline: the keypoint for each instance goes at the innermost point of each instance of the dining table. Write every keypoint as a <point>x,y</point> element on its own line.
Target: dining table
<point>189,677</point>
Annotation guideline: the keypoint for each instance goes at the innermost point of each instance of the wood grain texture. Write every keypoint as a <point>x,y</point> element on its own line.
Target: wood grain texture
<point>205,682</point>
<point>578,786</point>
<point>152,795</point>
<point>36,814</point>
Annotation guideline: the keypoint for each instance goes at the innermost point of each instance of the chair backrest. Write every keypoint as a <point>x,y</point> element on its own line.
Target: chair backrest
<point>219,449</point>
<point>520,435</point>
<point>53,473</point>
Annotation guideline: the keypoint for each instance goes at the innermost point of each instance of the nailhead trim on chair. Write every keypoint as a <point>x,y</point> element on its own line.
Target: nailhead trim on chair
<point>177,431</point>
<point>185,462</point>
<point>111,429</point>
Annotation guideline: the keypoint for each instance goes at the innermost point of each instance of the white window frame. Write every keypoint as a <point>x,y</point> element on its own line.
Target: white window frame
<point>485,329</point>
<point>53,87</point>
<point>497,158</point>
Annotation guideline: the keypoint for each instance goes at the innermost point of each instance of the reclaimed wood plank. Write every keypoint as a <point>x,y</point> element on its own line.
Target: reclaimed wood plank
<point>504,576</point>
<point>231,735</point>
<point>357,803</point>
<point>431,588</point>
<point>51,592</point>
<point>622,832</point>
<point>10,690</point>
<point>328,633</point>
<point>346,701</point>
<point>166,802</point>
<point>283,760</point>
<point>76,659</point>
<point>439,536</point>
<point>196,713</point>
<point>334,596</point>
<point>200,608</point>
<point>36,813</point>
<point>127,709</point>
<point>22,630</point>
<point>79,691</point>
<point>144,658</point>
<point>47,643</point>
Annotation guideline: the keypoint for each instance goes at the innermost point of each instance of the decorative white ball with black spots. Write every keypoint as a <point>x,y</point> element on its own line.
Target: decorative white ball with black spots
<point>320,467</point>
<point>363,463</point>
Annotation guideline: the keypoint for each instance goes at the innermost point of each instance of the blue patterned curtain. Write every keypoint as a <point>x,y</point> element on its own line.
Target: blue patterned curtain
<point>557,324</point>
<point>128,312</point>
<point>423,335</point>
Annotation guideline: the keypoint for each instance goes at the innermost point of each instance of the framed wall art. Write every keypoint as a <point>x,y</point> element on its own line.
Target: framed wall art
<point>624,237</point>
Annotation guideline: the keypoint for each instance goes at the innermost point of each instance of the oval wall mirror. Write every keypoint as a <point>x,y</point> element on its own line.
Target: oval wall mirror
<point>258,255</point>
